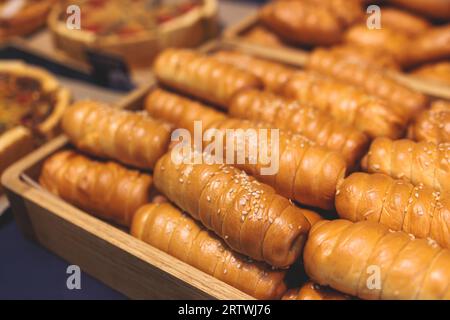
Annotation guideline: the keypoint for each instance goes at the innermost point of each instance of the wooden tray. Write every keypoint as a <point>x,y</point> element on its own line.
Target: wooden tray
<point>298,57</point>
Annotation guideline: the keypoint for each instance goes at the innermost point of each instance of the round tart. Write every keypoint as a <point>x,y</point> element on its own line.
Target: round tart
<point>131,29</point>
<point>31,105</point>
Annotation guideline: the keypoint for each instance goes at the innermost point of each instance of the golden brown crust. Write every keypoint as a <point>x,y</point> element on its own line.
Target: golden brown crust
<point>303,119</point>
<point>260,35</point>
<point>302,22</point>
<point>433,124</point>
<point>403,21</point>
<point>250,217</point>
<point>432,45</point>
<point>431,8</point>
<point>307,173</point>
<point>438,73</point>
<point>273,75</point>
<point>347,104</point>
<point>392,42</point>
<point>202,76</point>
<point>168,229</point>
<point>131,138</point>
<point>180,111</point>
<point>312,291</point>
<point>419,162</point>
<point>398,204</point>
<point>107,190</point>
<point>369,78</point>
<point>349,256</point>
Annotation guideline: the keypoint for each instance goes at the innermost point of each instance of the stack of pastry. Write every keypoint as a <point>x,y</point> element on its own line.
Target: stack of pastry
<point>239,223</point>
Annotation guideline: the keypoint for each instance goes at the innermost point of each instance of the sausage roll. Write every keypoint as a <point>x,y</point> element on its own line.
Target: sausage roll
<point>168,229</point>
<point>398,204</point>
<point>432,124</point>
<point>368,260</point>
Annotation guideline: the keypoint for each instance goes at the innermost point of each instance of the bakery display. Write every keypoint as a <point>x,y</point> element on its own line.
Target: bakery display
<point>128,137</point>
<point>105,189</point>
<point>135,30</point>
<point>346,256</point>
<point>18,18</point>
<point>423,163</point>
<point>240,171</point>
<point>398,204</point>
<point>168,229</point>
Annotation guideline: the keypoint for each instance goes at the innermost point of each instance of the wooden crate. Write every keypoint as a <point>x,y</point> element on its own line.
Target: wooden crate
<point>298,57</point>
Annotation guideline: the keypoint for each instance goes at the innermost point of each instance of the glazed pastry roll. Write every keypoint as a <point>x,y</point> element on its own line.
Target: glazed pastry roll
<point>347,104</point>
<point>371,79</point>
<point>391,41</point>
<point>302,170</point>
<point>438,73</point>
<point>419,162</point>
<point>273,75</point>
<point>129,137</point>
<point>430,46</point>
<point>248,215</point>
<point>368,260</point>
<point>180,111</point>
<point>301,118</point>
<point>312,291</point>
<point>431,8</point>
<point>302,22</point>
<point>403,21</point>
<point>202,76</point>
<point>359,54</point>
<point>398,204</point>
<point>168,229</point>
<point>433,124</point>
<point>104,189</point>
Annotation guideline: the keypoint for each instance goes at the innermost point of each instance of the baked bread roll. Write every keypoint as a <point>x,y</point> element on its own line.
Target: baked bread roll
<point>398,204</point>
<point>371,79</point>
<point>260,35</point>
<point>168,229</point>
<point>273,75</point>
<point>367,260</point>
<point>433,124</point>
<point>403,21</point>
<point>129,137</point>
<point>431,8</point>
<point>202,76</point>
<point>432,45</point>
<point>312,291</point>
<point>181,112</point>
<point>104,189</point>
<point>303,119</point>
<point>249,216</point>
<point>419,162</point>
<point>302,22</point>
<point>361,54</point>
<point>347,104</point>
<point>438,73</point>
<point>392,42</point>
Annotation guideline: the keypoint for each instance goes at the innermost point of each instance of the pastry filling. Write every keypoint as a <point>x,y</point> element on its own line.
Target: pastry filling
<point>23,102</point>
